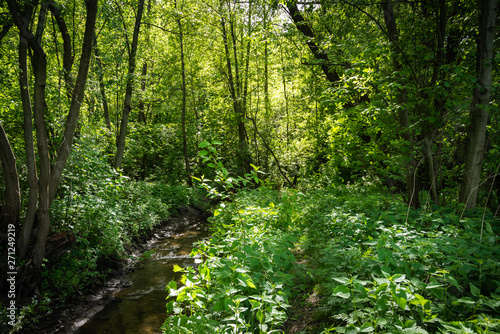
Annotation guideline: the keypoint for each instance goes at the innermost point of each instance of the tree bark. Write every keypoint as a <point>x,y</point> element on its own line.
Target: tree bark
<point>480,101</point>
<point>120,142</point>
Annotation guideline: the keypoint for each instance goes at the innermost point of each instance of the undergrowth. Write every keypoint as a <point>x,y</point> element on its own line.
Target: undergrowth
<point>381,269</point>
<point>372,265</point>
<point>244,281</point>
<point>105,212</point>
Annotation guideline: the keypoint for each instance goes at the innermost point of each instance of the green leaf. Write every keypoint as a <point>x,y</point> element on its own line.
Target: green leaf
<point>219,306</point>
<point>341,280</point>
<point>342,291</point>
<point>474,290</point>
<point>401,299</point>
<point>366,328</point>
<point>250,283</point>
<point>216,142</point>
<point>204,144</point>
<point>465,300</point>
<point>433,285</point>
<point>203,153</point>
<point>260,315</point>
<point>488,228</point>
<point>177,268</point>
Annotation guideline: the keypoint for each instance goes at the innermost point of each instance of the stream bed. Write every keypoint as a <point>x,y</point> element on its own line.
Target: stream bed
<point>140,308</point>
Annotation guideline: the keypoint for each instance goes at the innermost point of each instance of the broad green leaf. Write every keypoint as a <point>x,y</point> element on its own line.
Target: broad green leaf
<point>216,142</point>
<point>433,285</point>
<point>464,300</point>
<point>260,315</point>
<point>177,268</point>
<point>204,144</point>
<point>250,283</point>
<point>341,280</point>
<point>219,306</point>
<point>474,290</point>
<point>488,227</point>
<point>342,291</point>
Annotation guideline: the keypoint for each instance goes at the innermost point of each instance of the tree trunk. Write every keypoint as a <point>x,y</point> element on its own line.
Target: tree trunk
<point>412,184</point>
<point>11,208</point>
<point>183,115</point>
<point>102,87</point>
<point>49,177</point>
<point>120,142</point>
<point>76,98</point>
<point>235,90</point>
<point>29,148</point>
<point>480,102</point>
<point>303,26</point>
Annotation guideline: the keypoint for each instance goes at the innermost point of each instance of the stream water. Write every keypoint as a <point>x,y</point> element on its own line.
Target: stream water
<point>140,308</point>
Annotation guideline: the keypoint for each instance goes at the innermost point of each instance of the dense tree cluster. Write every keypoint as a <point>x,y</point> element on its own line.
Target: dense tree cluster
<point>314,92</point>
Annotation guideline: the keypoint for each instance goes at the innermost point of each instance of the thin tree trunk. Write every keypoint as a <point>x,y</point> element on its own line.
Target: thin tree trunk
<point>272,153</point>
<point>183,115</point>
<point>480,102</point>
<point>412,185</point>
<point>76,99</point>
<point>120,142</point>
<point>29,148</point>
<point>236,97</point>
<point>142,114</point>
<point>102,87</point>
<point>429,162</point>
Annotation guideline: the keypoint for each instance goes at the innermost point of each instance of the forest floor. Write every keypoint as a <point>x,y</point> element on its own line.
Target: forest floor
<point>69,317</point>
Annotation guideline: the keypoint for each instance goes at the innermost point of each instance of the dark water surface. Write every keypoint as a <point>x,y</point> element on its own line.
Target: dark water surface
<point>140,308</point>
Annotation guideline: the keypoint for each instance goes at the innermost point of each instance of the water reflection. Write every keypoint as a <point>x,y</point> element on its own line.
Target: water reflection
<point>141,307</point>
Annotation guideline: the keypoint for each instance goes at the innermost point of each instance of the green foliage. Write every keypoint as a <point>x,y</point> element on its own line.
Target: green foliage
<point>381,270</point>
<point>223,184</point>
<point>243,282</point>
<point>105,211</point>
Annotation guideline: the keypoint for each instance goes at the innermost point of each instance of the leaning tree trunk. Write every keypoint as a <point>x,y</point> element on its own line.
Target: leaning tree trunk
<point>480,101</point>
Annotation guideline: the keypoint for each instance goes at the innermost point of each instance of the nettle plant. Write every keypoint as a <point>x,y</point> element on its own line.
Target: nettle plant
<point>223,184</point>
<point>242,284</point>
<point>432,275</point>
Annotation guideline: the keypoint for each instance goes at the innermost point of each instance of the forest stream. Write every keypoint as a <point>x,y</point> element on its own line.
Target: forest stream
<point>140,308</point>
<point>136,302</point>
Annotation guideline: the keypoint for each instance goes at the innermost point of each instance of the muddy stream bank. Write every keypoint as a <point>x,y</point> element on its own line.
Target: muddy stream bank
<point>134,300</point>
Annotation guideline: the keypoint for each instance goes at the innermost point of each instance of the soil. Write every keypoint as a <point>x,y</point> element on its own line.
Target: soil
<point>69,317</point>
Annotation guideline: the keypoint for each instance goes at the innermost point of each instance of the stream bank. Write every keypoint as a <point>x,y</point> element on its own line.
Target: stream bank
<point>72,316</point>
